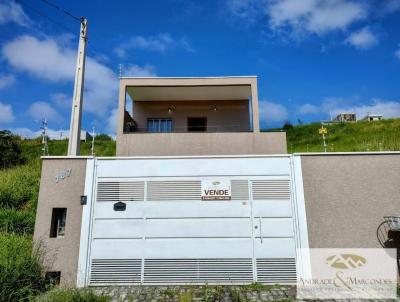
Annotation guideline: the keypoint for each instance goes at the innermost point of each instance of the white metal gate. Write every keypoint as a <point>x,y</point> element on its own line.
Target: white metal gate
<point>168,235</point>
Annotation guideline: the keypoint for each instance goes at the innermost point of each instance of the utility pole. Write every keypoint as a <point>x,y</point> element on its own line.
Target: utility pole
<point>76,112</point>
<point>93,134</point>
<point>45,147</point>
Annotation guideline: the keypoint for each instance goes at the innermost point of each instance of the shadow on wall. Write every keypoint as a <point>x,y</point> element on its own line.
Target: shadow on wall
<point>388,236</point>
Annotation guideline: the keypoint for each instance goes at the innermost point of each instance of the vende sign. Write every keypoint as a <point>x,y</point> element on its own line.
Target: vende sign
<point>216,190</point>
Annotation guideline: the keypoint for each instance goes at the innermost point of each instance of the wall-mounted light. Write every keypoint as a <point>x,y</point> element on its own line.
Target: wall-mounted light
<point>215,108</point>
<point>169,110</point>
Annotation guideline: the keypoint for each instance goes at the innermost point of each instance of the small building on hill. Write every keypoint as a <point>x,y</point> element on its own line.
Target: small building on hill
<point>370,117</point>
<point>345,117</point>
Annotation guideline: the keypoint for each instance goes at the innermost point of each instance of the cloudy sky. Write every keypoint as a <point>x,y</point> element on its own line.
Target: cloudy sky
<point>313,58</point>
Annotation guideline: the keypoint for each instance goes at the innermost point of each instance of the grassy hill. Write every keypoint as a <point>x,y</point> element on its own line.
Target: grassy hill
<point>21,275</point>
<point>19,186</point>
<point>346,137</point>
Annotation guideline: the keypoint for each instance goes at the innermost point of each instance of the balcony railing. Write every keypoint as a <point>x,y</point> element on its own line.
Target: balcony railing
<point>193,129</point>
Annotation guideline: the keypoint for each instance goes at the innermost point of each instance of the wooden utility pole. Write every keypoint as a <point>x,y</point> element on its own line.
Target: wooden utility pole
<point>76,112</point>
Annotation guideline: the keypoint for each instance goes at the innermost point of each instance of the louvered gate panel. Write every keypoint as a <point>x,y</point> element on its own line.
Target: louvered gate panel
<point>170,270</point>
<point>120,191</point>
<point>225,270</point>
<point>276,270</point>
<point>115,271</point>
<point>240,189</point>
<point>271,189</point>
<point>173,190</point>
<point>186,271</point>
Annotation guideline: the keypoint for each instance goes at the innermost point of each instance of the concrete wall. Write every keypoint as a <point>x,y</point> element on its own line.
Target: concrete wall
<point>346,197</point>
<point>230,116</point>
<point>165,144</point>
<point>61,254</point>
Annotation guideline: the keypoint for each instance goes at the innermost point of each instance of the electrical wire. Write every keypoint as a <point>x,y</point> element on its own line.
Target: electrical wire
<point>62,10</point>
<point>91,47</point>
<point>47,17</point>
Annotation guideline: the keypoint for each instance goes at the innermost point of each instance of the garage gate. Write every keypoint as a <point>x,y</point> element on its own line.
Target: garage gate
<point>146,222</point>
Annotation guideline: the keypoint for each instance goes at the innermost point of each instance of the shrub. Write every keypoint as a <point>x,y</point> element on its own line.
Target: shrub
<point>287,126</point>
<point>17,221</point>
<point>10,149</point>
<point>103,137</point>
<point>72,295</point>
<point>21,274</point>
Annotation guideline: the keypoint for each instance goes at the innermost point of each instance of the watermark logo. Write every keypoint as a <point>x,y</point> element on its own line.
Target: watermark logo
<point>347,274</point>
<point>345,261</point>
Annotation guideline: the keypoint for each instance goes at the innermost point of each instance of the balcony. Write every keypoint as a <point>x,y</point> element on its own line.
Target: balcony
<point>192,116</point>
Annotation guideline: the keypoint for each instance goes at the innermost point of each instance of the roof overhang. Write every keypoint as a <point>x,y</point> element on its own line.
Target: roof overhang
<point>189,89</point>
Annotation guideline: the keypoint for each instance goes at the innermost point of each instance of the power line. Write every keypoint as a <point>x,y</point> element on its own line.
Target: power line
<point>47,17</point>
<point>62,10</point>
<point>90,45</point>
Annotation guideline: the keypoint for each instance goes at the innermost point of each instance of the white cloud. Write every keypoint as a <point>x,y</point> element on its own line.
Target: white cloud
<point>6,80</point>
<point>397,53</point>
<point>159,43</point>
<point>6,113</point>
<point>61,100</point>
<point>43,110</point>
<point>362,39</point>
<point>10,11</point>
<point>299,17</point>
<point>308,109</point>
<point>388,108</point>
<point>112,122</point>
<point>25,132</point>
<point>138,71</point>
<point>248,10</point>
<point>29,133</point>
<point>272,112</point>
<point>316,16</point>
<point>390,6</point>
<point>47,60</point>
<point>41,58</point>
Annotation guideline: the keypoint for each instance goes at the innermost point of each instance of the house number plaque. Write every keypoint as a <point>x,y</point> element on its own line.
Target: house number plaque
<point>63,174</point>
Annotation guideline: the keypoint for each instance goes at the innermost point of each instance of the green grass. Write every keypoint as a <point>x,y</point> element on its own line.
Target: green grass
<point>346,137</point>
<point>72,295</point>
<point>19,186</point>
<point>21,273</point>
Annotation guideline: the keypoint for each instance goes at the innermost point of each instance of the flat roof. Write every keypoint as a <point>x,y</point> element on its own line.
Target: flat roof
<point>210,77</point>
<point>189,88</point>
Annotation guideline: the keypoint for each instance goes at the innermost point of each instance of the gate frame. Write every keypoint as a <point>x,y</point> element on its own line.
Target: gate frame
<point>298,212</point>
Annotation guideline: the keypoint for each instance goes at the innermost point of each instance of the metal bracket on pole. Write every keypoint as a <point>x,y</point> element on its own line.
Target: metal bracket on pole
<point>76,112</point>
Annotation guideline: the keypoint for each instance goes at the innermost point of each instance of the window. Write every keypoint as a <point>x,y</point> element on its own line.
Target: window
<point>159,125</point>
<point>197,124</point>
<point>53,278</point>
<point>58,219</point>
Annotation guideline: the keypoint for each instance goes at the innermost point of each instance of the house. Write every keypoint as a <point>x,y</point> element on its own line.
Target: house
<point>370,117</point>
<point>198,195</point>
<point>345,117</point>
